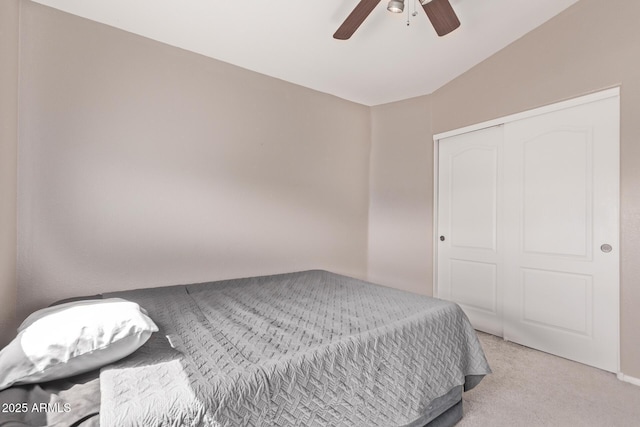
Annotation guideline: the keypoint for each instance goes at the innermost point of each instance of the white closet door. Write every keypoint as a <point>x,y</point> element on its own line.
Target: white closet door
<point>561,221</point>
<point>529,214</point>
<point>469,252</point>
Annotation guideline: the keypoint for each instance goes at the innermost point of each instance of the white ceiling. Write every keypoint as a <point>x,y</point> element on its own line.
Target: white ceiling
<point>384,61</point>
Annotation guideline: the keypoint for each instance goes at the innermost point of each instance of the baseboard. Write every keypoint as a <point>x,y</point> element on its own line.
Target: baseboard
<point>628,379</point>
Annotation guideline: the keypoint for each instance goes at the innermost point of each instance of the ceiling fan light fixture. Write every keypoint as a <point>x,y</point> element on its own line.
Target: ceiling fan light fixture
<point>396,6</point>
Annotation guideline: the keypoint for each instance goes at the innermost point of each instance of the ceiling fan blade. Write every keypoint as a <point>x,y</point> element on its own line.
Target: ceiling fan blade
<point>442,16</point>
<point>355,18</point>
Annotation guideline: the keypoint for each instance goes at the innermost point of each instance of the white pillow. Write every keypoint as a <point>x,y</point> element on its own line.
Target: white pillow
<point>72,338</point>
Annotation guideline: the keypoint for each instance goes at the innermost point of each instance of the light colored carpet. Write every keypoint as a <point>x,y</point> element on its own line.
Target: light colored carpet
<point>532,388</point>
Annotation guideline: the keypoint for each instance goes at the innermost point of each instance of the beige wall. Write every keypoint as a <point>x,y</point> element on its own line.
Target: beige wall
<point>400,250</point>
<point>9,12</point>
<point>591,46</point>
<point>144,165</point>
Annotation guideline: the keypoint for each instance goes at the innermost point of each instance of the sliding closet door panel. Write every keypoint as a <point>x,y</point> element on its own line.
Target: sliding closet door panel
<point>543,305</point>
<point>561,187</point>
<point>474,285</point>
<point>557,167</point>
<point>473,176</point>
<point>469,254</point>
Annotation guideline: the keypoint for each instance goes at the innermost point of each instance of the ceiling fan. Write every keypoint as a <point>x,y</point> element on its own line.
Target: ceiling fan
<point>440,13</point>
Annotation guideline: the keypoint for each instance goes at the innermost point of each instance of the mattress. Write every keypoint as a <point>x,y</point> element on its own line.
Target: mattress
<point>309,348</point>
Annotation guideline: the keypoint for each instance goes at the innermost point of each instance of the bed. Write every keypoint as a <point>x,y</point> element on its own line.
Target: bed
<point>310,348</point>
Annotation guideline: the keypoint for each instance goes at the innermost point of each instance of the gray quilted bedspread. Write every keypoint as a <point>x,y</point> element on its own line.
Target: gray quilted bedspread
<point>301,349</point>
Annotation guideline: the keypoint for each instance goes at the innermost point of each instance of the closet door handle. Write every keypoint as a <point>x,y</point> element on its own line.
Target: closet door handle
<point>442,238</point>
<point>606,248</point>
